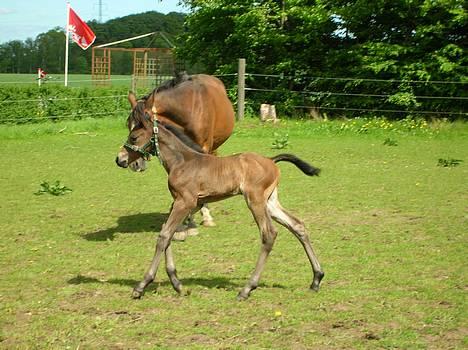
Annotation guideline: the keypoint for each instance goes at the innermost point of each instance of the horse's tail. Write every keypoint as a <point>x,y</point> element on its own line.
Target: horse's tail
<point>304,166</point>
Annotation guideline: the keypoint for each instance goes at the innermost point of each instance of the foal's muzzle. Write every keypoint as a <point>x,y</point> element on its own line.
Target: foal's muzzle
<point>121,163</point>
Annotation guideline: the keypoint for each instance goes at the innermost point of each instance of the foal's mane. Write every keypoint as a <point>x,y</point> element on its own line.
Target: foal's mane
<point>183,137</point>
<point>137,115</point>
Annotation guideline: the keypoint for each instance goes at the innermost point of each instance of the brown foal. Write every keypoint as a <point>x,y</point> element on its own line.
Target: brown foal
<point>196,178</point>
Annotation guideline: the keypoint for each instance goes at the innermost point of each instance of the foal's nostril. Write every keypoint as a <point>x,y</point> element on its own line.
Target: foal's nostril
<point>122,164</point>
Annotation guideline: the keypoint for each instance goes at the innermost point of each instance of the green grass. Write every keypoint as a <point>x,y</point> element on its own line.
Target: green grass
<point>388,225</point>
<point>74,80</point>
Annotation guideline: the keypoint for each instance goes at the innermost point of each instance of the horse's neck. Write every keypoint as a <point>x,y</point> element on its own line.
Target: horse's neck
<point>169,107</point>
<point>174,152</point>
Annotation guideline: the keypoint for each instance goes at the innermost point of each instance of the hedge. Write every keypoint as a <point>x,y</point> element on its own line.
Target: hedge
<point>29,104</point>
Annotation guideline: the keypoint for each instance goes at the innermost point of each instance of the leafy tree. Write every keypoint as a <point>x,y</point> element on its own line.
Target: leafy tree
<point>51,50</point>
<point>403,40</point>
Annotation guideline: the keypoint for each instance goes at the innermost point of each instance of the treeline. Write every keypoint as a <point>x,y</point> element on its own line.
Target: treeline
<point>47,50</point>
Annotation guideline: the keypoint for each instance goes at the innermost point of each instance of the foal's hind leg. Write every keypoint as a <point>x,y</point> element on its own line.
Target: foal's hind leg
<point>268,236</point>
<point>179,212</point>
<point>297,227</point>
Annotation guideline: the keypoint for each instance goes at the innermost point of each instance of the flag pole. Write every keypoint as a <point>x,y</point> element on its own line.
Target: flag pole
<point>66,43</point>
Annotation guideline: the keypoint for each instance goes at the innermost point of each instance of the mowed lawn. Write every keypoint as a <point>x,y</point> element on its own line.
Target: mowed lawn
<point>388,224</point>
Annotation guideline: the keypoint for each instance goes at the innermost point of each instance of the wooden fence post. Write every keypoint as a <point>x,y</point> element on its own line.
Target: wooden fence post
<point>241,89</point>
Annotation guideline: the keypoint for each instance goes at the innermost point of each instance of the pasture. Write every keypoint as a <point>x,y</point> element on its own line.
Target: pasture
<point>388,225</point>
<point>75,80</point>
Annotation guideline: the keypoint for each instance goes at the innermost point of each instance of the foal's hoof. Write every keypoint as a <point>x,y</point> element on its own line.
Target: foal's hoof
<point>315,286</point>
<point>208,223</point>
<point>242,296</point>
<point>180,236</point>
<point>137,294</point>
<point>192,231</point>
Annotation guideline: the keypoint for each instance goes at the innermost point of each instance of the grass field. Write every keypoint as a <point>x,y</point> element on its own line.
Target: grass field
<point>389,226</point>
<point>74,80</point>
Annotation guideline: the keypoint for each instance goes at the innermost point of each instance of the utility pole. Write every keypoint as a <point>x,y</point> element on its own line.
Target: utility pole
<point>100,11</point>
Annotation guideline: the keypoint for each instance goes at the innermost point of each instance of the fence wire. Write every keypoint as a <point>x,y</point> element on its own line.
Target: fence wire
<point>356,79</point>
<point>321,99</point>
<point>337,94</point>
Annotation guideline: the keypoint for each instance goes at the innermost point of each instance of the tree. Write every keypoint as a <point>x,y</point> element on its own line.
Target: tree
<point>51,50</point>
<point>402,40</point>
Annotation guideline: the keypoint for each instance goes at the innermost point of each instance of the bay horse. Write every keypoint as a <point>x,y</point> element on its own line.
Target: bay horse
<point>196,178</point>
<point>199,106</point>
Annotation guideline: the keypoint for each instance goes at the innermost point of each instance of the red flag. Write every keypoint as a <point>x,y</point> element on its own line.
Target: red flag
<point>81,33</point>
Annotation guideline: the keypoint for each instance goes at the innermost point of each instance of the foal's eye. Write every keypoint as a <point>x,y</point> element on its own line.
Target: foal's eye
<point>133,139</point>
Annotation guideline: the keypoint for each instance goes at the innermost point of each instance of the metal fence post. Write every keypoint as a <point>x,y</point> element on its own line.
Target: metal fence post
<point>241,89</point>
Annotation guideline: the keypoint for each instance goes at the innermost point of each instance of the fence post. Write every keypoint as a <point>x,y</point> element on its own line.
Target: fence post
<point>241,89</point>
<point>134,84</point>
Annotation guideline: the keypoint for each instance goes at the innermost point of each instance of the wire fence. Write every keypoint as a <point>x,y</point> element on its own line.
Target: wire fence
<point>282,76</point>
<point>344,96</point>
<point>352,97</point>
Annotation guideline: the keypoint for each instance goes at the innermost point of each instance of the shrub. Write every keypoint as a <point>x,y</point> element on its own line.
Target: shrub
<point>29,104</point>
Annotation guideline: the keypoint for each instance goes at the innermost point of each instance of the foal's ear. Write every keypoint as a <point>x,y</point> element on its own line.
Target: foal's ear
<point>132,99</point>
<point>154,113</point>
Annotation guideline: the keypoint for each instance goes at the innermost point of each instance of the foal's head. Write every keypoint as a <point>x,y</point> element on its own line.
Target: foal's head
<point>136,151</point>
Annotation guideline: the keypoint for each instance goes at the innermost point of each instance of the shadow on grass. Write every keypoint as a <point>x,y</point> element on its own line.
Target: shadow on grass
<point>143,222</point>
<point>217,282</point>
<point>214,282</point>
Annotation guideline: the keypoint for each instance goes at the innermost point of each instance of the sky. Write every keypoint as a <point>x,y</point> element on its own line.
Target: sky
<point>22,19</point>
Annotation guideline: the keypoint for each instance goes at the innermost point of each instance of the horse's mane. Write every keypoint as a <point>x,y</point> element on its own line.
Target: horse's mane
<point>138,114</point>
<point>179,78</point>
<point>183,137</point>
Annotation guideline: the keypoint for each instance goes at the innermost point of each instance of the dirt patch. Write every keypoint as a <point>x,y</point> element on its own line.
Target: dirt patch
<point>450,339</point>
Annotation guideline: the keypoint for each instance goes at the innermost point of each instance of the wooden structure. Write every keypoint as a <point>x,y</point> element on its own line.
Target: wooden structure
<point>151,66</point>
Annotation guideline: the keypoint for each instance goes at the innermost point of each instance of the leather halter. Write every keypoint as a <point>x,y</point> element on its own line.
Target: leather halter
<point>151,148</point>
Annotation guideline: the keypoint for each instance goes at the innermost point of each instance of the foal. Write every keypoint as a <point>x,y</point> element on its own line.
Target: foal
<point>195,178</point>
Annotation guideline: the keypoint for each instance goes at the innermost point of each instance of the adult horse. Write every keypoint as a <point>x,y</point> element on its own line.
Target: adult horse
<point>198,105</point>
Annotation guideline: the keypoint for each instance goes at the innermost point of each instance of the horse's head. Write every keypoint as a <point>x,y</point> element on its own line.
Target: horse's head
<point>140,142</point>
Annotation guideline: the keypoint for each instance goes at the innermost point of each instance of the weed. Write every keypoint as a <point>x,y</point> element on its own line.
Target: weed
<point>449,162</point>
<point>56,189</point>
<point>390,142</point>
<point>281,141</point>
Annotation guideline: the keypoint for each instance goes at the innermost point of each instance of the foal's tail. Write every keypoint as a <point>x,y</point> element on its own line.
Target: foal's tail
<point>304,166</point>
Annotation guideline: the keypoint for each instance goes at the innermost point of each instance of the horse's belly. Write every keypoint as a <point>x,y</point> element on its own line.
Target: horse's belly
<point>217,191</point>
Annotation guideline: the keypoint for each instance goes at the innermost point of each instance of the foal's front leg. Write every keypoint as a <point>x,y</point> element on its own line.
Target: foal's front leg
<point>172,271</point>
<point>179,212</point>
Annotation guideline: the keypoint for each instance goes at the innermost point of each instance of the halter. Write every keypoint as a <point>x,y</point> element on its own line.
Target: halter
<point>152,144</point>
